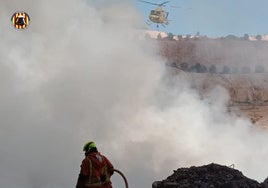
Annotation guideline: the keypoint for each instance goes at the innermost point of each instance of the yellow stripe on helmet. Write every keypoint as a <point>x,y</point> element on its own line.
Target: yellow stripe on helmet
<point>88,146</point>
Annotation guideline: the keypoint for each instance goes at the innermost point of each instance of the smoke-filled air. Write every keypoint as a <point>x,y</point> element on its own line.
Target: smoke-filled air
<point>81,72</point>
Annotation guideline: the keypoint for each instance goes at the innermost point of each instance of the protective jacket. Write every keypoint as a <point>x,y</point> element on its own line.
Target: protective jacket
<point>96,171</point>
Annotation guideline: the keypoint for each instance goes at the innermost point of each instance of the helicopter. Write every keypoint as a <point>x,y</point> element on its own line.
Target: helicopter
<point>158,15</point>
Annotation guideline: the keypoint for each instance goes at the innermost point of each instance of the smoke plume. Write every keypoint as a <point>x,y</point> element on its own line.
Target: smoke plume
<point>80,73</point>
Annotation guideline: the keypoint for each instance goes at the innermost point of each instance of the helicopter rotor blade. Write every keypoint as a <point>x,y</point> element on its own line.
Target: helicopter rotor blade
<point>172,6</point>
<point>157,4</point>
<point>148,2</point>
<point>163,4</point>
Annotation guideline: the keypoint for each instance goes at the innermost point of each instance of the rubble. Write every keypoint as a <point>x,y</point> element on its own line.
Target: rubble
<point>208,176</point>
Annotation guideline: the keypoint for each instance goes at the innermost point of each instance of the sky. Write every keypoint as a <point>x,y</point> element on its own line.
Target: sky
<point>80,72</point>
<point>212,17</point>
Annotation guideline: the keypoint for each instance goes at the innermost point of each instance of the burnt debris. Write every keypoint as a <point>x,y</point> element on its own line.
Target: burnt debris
<point>208,176</point>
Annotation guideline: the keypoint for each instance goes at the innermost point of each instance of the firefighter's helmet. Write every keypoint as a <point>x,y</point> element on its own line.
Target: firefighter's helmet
<point>89,146</point>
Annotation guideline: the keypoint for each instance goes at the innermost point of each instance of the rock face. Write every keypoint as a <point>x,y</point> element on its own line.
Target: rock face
<point>208,176</point>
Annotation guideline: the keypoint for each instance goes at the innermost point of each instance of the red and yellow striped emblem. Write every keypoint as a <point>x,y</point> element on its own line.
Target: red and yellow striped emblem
<point>20,20</point>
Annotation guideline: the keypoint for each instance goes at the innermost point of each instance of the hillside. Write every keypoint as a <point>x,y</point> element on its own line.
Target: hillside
<point>235,64</point>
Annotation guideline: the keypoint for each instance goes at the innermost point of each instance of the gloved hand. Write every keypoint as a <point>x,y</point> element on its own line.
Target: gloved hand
<point>111,171</point>
<point>103,178</point>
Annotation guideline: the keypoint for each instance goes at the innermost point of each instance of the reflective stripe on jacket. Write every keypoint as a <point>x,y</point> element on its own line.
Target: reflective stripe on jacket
<point>97,167</point>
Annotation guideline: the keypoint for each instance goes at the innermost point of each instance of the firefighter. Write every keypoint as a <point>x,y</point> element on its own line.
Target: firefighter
<point>96,169</point>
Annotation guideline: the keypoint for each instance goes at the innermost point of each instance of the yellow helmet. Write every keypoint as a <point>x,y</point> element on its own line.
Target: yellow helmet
<point>89,146</point>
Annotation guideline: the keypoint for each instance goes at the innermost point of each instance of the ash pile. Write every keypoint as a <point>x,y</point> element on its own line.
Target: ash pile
<point>209,176</point>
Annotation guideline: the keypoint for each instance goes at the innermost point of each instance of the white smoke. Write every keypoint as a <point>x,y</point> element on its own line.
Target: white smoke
<point>78,73</point>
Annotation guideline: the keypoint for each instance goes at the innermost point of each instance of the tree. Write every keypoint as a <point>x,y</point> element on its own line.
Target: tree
<point>179,37</point>
<point>193,68</point>
<point>198,68</point>
<point>188,36</point>
<point>203,69</point>
<point>231,37</point>
<point>159,37</point>
<point>212,69</point>
<point>170,36</point>
<point>259,37</point>
<point>234,70</point>
<point>246,37</point>
<point>226,70</point>
<point>259,69</point>
<point>184,66</point>
<point>245,70</point>
<point>173,64</point>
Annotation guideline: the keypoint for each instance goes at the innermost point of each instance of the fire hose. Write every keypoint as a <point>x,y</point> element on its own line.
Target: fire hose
<point>122,175</point>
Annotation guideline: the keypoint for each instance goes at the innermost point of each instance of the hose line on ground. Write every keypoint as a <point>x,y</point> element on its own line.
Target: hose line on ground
<point>123,176</point>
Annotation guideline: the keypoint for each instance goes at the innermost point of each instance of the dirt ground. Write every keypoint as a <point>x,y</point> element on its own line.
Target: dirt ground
<point>257,114</point>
